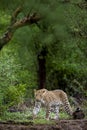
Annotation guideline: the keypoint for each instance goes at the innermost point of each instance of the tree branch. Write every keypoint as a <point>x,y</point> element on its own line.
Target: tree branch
<point>31,19</point>
<point>15,24</point>
<point>15,14</point>
<point>82,5</point>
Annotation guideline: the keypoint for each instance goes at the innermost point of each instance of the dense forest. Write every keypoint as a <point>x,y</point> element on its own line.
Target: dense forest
<point>42,45</point>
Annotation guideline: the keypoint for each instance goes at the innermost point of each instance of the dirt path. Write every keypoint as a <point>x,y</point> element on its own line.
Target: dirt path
<point>60,125</point>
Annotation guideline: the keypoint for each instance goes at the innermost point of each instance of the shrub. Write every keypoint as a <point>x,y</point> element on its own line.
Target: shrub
<point>14,95</point>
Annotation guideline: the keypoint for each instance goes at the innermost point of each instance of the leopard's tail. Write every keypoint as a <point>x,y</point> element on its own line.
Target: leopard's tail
<point>66,104</point>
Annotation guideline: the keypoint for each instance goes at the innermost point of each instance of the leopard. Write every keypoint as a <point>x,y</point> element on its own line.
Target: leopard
<point>52,101</point>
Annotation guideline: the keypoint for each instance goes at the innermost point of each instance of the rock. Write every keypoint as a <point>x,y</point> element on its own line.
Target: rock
<point>78,114</point>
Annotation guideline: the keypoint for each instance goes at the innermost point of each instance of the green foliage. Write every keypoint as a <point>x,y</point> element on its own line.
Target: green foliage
<point>43,121</point>
<point>17,116</point>
<point>17,65</point>
<point>27,117</point>
<point>4,21</point>
<point>2,107</point>
<point>14,95</point>
<point>62,31</point>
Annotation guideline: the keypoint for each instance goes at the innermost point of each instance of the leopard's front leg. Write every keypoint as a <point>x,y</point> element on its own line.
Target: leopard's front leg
<point>36,109</point>
<point>48,110</point>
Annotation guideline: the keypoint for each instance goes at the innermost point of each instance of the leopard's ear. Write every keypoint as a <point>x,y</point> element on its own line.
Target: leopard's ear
<point>44,90</point>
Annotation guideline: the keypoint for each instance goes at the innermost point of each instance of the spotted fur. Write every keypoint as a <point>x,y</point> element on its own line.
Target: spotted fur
<point>52,101</point>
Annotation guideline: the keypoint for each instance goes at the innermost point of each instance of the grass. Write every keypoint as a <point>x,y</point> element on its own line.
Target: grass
<point>43,121</point>
<point>16,116</point>
<point>27,117</point>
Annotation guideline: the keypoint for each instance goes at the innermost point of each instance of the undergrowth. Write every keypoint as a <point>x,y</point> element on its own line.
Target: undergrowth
<point>26,116</point>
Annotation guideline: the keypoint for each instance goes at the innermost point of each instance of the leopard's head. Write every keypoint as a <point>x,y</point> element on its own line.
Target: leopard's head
<point>38,94</point>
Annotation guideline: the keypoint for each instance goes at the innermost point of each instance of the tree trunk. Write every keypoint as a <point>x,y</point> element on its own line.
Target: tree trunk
<point>42,68</point>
